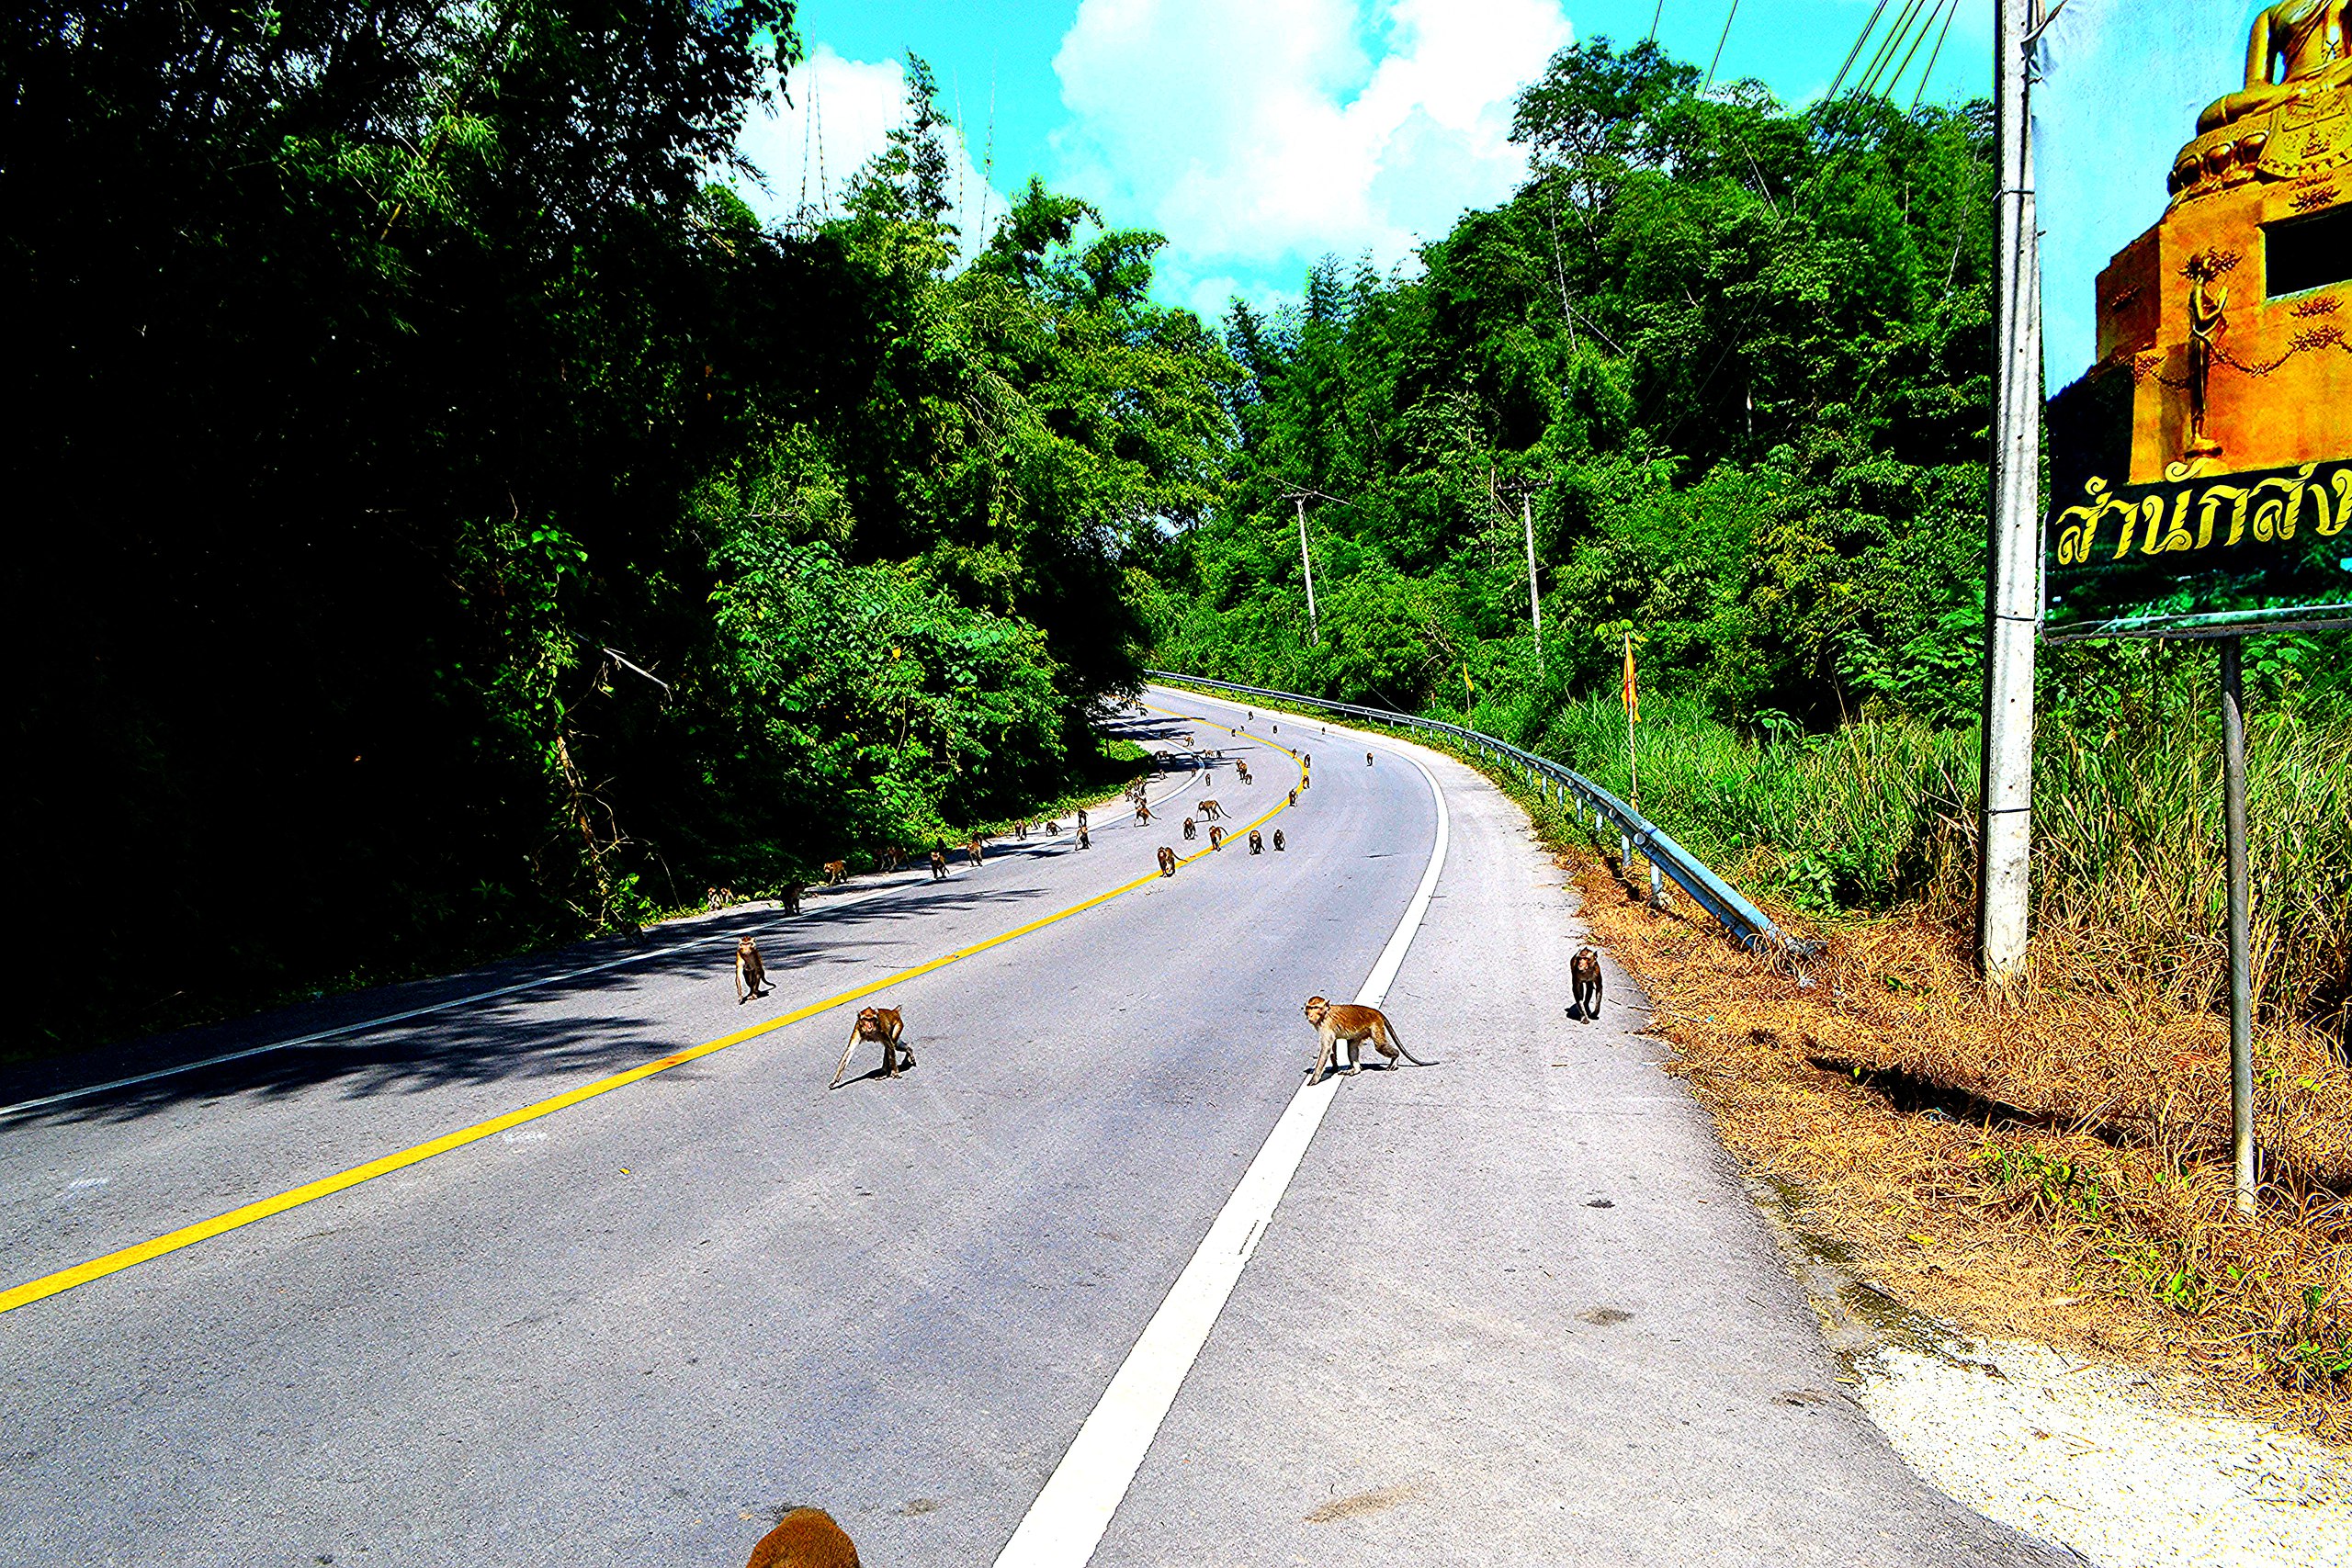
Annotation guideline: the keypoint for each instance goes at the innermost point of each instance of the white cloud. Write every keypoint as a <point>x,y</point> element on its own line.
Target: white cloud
<point>1262,134</point>
<point>841,113</point>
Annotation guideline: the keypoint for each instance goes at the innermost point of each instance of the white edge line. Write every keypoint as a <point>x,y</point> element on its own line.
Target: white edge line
<point>366,1024</point>
<point>1066,1523</point>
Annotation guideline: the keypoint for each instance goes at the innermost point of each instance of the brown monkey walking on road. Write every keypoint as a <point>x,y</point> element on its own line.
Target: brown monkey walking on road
<point>790,899</point>
<point>1256,842</point>
<point>1210,809</point>
<point>1278,838</point>
<point>805,1538</point>
<point>879,1026</point>
<point>973,849</point>
<point>1243,768</point>
<point>1082,819</point>
<point>1367,759</point>
<point>1583,982</point>
<point>1294,796</point>
<point>1167,861</point>
<point>939,865</point>
<point>1335,1022</point>
<point>1084,843</point>
<point>1143,813</point>
<point>751,974</point>
<point>1190,831</point>
<point>836,871</point>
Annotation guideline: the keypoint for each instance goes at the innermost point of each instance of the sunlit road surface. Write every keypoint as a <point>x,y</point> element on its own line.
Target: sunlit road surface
<point>624,1329</point>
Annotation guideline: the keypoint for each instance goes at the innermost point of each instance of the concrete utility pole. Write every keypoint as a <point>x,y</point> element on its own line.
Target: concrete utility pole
<point>1535,602</point>
<point>1306,563</point>
<point>2241,959</point>
<point>2012,596</point>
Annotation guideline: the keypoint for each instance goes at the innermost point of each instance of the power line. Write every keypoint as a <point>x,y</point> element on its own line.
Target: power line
<point>1935,54</point>
<point>1894,83</point>
<point>1892,41</point>
<point>1654,14</point>
<point>1719,45</point>
<point>1855,52</point>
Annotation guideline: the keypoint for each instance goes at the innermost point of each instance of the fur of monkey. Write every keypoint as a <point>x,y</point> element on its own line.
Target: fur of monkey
<point>1583,982</point>
<point>1167,861</point>
<point>790,900</point>
<point>1278,838</point>
<point>1190,832</point>
<point>1210,809</point>
<point>1216,837</point>
<point>938,865</point>
<point>1335,1022</point>
<point>751,974</point>
<point>883,1027</point>
<point>1256,842</point>
<point>1293,796</point>
<point>805,1538</point>
<point>836,871</point>
<point>1084,843</point>
<point>1143,813</point>
<point>973,850</point>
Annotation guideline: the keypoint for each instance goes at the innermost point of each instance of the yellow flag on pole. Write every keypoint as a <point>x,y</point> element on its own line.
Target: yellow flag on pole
<point>1633,698</point>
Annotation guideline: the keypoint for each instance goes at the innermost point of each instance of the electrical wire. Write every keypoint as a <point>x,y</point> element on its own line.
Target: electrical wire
<point>1934,54</point>
<point>1719,45</point>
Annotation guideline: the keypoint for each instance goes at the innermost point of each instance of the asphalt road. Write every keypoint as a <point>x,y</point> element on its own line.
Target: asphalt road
<point>626,1331</point>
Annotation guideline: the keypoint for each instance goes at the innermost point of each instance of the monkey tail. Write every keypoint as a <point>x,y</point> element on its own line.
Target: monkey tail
<point>1399,1041</point>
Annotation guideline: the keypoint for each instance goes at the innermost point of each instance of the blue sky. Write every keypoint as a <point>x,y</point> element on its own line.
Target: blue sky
<point>1259,135</point>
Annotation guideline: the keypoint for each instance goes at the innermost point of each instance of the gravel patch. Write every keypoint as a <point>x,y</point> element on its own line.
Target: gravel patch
<point>2087,1455</point>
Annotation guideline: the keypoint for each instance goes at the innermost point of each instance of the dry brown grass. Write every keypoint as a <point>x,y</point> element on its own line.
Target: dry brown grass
<point>2053,1166</point>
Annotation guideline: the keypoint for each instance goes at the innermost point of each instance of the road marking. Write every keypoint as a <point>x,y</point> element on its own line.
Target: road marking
<point>1066,1523</point>
<point>204,1230</point>
<point>841,901</point>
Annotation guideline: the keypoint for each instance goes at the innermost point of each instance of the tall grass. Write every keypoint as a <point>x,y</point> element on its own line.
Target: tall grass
<point>2127,832</point>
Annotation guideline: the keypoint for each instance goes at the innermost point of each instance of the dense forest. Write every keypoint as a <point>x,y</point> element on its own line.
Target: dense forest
<point>447,520</point>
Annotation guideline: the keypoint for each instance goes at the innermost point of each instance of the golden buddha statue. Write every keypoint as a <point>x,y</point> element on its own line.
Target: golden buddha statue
<point>2302,40</point>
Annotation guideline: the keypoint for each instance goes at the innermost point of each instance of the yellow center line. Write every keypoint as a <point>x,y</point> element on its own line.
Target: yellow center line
<point>294,1198</point>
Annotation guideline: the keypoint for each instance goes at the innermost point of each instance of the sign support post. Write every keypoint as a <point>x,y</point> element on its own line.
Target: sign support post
<point>2241,975</point>
<point>1307,564</point>
<point>2012,599</point>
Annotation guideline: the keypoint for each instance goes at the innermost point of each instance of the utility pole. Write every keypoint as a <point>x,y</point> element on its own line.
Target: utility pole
<point>2241,960</point>
<point>2012,597</point>
<point>1535,602</point>
<point>1307,564</point>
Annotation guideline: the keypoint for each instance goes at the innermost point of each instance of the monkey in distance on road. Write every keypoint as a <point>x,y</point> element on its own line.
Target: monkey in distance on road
<point>974,849</point>
<point>1278,838</point>
<point>751,974</point>
<point>1210,809</point>
<point>877,1026</point>
<point>1084,843</point>
<point>1256,842</point>
<point>1367,759</point>
<point>939,865</point>
<point>1335,1022</point>
<point>1143,813</point>
<point>1167,861</point>
<point>790,899</point>
<point>1294,796</point>
<point>1583,982</point>
<point>805,1538</point>
<point>1082,819</point>
<point>1216,837</point>
<point>1243,768</point>
<point>836,871</point>
<point>1190,831</point>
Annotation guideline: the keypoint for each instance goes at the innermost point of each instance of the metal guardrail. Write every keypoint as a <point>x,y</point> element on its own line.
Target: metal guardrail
<point>1636,833</point>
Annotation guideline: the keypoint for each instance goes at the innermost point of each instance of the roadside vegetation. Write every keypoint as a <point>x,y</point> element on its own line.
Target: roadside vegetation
<point>1731,361</point>
<point>448,520</point>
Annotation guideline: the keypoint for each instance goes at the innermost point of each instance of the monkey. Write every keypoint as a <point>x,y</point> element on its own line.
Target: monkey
<point>1082,819</point>
<point>938,866</point>
<point>805,1538</point>
<point>1190,831</point>
<point>710,899</point>
<point>1584,982</point>
<point>1310,758</point>
<point>1278,729</point>
<point>1210,809</point>
<point>974,849</point>
<point>1243,768</point>
<point>836,871</point>
<point>1304,780</point>
<point>751,974</point>
<point>1341,1021</point>
<point>1021,829</point>
<point>892,857</point>
<point>1278,839</point>
<point>1216,837</point>
<point>1143,813</point>
<point>1294,796</point>
<point>727,896</point>
<point>1083,841</point>
<point>1054,825</point>
<point>882,1027</point>
<point>1256,842</point>
<point>1253,716</point>
<point>1367,759</point>
<point>1167,861</point>
<point>1188,739</point>
<point>788,897</point>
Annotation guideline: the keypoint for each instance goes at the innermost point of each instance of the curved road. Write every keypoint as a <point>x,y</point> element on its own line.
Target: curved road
<point>1511,1309</point>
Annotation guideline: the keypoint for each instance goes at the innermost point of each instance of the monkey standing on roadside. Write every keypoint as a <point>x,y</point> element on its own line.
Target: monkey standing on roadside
<point>805,1538</point>
<point>751,974</point>
<point>1084,843</point>
<point>1210,809</point>
<point>1143,813</point>
<point>1278,838</point>
<point>1367,759</point>
<point>879,1026</point>
<point>1345,1021</point>
<point>1243,768</point>
<point>836,871</point>
<point>1256,842</point>
<point>1583,982</point>
<point>1082,819</point>
<point>1190,831</point>
<point>1294,796</point>
<point>1216,837</point>
<point>974,849</point>
<point>790,899</point>
<point>1167,861</point>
